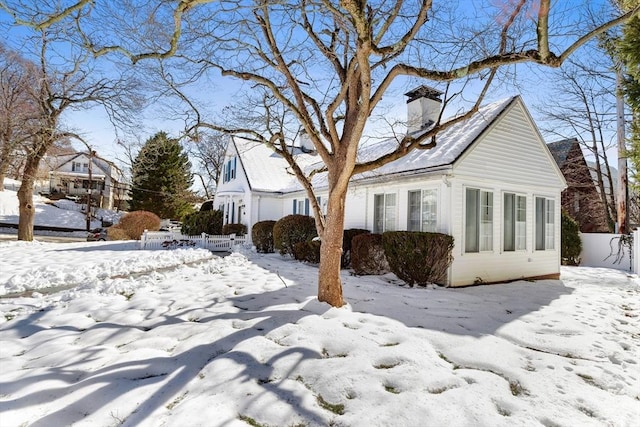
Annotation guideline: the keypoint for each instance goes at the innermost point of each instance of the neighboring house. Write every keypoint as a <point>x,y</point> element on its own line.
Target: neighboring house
<point>490,182</point>
<point>74,175</point>
<point>581,199</point>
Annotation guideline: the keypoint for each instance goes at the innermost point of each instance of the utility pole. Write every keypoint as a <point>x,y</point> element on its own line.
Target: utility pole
<point>622,190</point>
<point>91,154</point>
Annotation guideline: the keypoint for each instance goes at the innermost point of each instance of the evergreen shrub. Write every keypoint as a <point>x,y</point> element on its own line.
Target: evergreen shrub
<point>570,244</point>
<point>196,223</point>
<point>367,255</point>
<point>237,229</point>
<point>134,223</point>
<point>347,241</point>
<point>308,251</point>
<point>418,258</point>
<point>293,229</point>
<point>262,236</point>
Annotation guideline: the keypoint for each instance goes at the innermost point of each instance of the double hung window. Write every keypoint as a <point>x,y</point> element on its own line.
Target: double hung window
<point>422,212</point>
<point>478,220</point>
<point>384,212</point>
<point>515,222</point>
<point>545,224</point>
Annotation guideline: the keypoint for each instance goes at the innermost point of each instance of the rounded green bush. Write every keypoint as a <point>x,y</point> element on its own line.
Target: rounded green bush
<point>418,258</point>
<point>293,229</point>
<point>307,251</point>
<point>237,229</point>
<point>347,241</point>
<point>367,255</point>
<point>262,236</point>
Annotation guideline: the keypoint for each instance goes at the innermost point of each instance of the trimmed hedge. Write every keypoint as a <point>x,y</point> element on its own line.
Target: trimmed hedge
<point>307,251</point>
<point>293,229</point>
<point>367,255</point>
<point>237,229</point>
<point>196,223</point>
<point>134,223</point>
<point>262,236</point>
<point>418,258</point>
<point>570,245</point>
<point>347,241</point>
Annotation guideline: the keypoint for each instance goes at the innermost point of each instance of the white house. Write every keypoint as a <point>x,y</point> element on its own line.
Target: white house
<point>490,182</point>
<point>78,173</point>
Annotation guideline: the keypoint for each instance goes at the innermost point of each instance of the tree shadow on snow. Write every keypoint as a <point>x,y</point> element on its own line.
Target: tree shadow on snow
<point>473,311</point>
<point>171,374</point>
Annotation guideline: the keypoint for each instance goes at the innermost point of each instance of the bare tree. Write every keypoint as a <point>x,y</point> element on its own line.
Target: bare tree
<point>583,106</point>
<point>17,111</point>
<point>328,64</point>
<point>68,78</point>
<point>208,150</point>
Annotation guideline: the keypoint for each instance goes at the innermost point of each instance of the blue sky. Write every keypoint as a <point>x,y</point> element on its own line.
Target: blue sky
<point>94,125</point>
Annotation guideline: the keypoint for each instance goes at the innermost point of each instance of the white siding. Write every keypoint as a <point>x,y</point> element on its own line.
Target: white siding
<point>498,265</point>
<point>512,151</point>
<point>360,200</point>
<point>510,157</point>
<point>266,208</point>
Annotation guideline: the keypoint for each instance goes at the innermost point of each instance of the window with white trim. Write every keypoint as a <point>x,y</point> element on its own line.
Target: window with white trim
<point>79,167</point>
<point>384,212</point>
<point>478,220</point>
<point>515,222</point>
<point>545,224</point>
<point>422,210</point>
<point>301,206</point>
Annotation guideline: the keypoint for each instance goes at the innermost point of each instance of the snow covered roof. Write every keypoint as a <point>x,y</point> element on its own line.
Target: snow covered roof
<point>268,171</point>
<point>450,144</point>
<point>265,169</point>
<point>56,162</point>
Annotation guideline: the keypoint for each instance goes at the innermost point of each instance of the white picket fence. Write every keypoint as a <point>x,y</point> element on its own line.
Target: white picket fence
<point>636,252</point>
<point>601,250</point>
<point>173,240</point>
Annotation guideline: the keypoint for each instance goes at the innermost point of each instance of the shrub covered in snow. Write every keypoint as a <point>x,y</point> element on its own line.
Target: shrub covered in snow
<point>293,229</point>
<point>418,258</point>
<point>367,254</point>
<point>262,236</point>
<point>134,223</point>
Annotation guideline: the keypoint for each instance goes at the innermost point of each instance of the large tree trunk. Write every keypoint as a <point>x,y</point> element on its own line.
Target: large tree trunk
<point>27,208</point>
<point>25,193</point>
<point>329,281</point>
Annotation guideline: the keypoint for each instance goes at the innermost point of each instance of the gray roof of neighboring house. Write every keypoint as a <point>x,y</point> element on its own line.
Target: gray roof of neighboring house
<point>560,150</point>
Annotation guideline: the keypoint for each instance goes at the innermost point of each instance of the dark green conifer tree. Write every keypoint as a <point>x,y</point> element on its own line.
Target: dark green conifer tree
<point>629,53</point>
<point>162,178</point>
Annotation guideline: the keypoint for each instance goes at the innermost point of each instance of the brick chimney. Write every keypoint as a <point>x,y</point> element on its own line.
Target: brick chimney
<point>423,107</point>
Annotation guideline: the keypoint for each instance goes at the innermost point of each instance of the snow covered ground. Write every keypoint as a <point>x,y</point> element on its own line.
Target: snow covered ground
<point>103,334</point>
